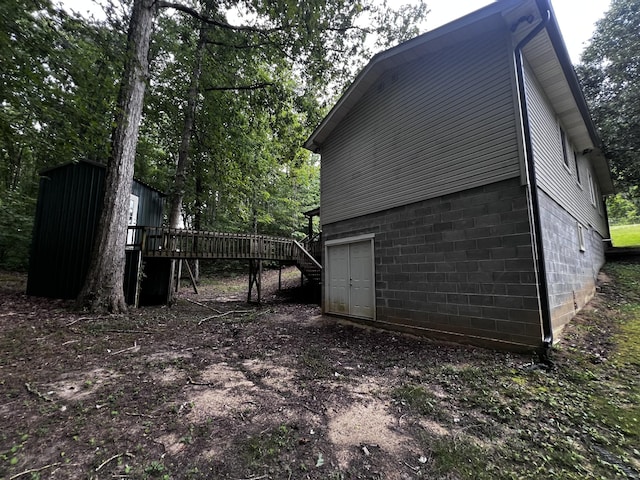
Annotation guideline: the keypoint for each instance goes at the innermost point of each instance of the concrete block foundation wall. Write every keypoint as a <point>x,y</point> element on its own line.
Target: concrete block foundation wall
<point>571,273</point>
<point>458,267</point>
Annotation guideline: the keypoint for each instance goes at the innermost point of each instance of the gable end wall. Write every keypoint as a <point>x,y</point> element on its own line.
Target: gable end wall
<point>441,124</point>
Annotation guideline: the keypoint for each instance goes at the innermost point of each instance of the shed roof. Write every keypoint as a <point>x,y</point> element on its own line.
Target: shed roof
<point>546,54</point>
<point>44,172</point>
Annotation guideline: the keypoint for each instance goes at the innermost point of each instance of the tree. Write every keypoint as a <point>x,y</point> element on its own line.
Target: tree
<point>316,34</point>
<point>621,210</point>
<point>103,286</point>
<point>610,75</point>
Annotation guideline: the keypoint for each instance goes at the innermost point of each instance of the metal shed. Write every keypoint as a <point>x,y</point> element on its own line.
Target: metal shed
<point>67,212</point>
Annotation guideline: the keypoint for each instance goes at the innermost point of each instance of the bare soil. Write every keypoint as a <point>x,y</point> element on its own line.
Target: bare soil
<point>213,387</point>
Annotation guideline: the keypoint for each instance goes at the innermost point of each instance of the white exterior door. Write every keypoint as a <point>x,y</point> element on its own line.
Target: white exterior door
<point>350,279</point>
<point>132,220</point>
<point>339,279</point>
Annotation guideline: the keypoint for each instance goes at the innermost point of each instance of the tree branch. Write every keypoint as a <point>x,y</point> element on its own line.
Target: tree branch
<point>218,23</point>
<point>256,86</point>
<point>240,47</point>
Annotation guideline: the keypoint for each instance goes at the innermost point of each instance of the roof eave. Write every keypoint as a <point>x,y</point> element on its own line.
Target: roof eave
<point>598,159</point>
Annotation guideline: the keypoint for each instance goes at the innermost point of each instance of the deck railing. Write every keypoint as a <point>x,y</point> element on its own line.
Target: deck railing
<point>302,256</point>
<point>179,243</point>
<point>313,245</point>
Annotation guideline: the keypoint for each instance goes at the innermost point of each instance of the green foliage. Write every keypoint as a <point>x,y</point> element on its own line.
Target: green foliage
<point>57,88</point>
<point>261,92</point>
<point>16,225</point>
<point>622,211</point>
<point>610,74</point>
<point>156,469</point>
<point>10,456</point>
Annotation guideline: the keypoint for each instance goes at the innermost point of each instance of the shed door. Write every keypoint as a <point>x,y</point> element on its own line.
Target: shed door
<point>132,220</point>
<point>350,286</point>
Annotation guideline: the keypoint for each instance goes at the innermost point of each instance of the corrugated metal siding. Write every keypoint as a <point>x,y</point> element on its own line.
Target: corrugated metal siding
<point>439,125</point>
<point>67,212</point>
<point>69,202</point>
<point>554,177</point>
<point>150,205</point>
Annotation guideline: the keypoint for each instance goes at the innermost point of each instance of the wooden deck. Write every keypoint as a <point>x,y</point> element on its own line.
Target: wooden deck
<point>191,244</point>
<point>180,244</point>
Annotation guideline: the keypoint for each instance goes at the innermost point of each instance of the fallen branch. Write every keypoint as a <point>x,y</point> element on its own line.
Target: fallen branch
<point>256,478</point>
<point>127,454</point>
<point>415,469</point>
<point>136,414</point>
<point>203,305</point>
<point>135,346</point>
<point>35,392</point>
<point>223,315</point>
<point>191,382</point>
<point>77,320</point>
<point>144,332</point>
<point>34,470</point>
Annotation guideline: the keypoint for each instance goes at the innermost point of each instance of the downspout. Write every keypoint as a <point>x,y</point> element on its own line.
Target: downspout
<point>547,326</point>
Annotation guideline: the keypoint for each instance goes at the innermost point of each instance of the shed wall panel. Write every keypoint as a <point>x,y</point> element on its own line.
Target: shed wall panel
<point>441,124</point>
<point>69,205</point>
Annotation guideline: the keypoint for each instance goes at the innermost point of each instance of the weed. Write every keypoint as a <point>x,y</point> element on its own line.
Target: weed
<point>267,447</point>
<point>156,469</point>
<point>11,456</point>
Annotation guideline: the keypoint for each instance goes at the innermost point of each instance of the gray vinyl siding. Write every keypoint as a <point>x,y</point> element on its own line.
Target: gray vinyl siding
<point>556,179</point>
<point>441,124</point>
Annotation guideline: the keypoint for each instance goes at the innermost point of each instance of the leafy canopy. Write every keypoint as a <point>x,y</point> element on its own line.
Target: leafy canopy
<point>610,74</point>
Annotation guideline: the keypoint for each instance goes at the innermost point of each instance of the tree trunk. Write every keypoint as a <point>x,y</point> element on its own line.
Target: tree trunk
<point>187,130</point>
<point>103,287</point>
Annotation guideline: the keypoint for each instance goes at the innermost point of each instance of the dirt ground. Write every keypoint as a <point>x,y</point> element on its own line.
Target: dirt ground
<point>215,388</point>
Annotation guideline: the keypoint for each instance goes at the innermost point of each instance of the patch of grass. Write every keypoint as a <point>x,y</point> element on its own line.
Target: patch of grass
<point>628,345</point>
<point>459,456</point>
<point>418,399</point>
<point>625,235</point>
<point>315,362</point>
<point>267,447</point>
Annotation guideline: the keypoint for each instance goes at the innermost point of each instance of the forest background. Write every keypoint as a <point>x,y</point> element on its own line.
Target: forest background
<point>237,102</point>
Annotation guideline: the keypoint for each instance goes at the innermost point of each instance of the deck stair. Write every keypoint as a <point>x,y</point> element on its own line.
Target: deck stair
<point>307,264</point>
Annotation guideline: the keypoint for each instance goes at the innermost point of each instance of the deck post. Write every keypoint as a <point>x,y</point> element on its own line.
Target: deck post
<point>178,275</point>
<point>255,277</point>
<point>191,276</point>
<point>279,276</point>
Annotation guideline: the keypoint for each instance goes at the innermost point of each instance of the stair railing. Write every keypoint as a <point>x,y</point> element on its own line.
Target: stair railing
<point>301,256</point>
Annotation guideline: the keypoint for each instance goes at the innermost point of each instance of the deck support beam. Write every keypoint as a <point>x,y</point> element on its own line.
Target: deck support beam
<point>255,278</point>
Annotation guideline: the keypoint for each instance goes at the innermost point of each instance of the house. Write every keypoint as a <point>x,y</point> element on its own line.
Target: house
<point>67,212</point>
<point>462,185</point>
